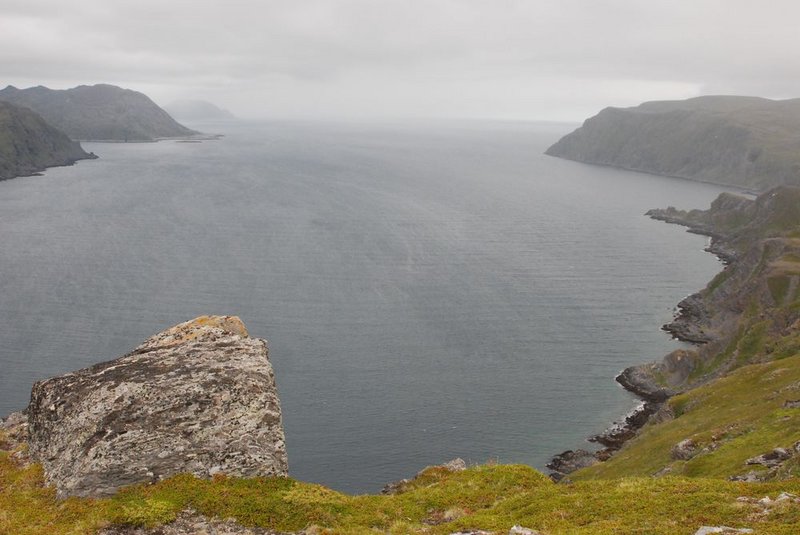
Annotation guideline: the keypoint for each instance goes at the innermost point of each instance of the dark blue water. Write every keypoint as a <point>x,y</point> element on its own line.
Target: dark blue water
<point>429,290</point>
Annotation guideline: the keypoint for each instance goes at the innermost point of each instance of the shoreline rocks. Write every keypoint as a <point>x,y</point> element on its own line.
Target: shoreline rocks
<point>198,398</point>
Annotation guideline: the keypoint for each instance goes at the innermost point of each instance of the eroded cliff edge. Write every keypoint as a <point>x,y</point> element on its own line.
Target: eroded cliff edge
<point>748,312</point>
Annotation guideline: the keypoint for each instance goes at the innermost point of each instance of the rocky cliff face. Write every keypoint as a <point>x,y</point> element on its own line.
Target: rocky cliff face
<point>742,141</point>
<point>99,112</point>
<point>747,313</point>
<point>28,144</point>
<point>198,398</point>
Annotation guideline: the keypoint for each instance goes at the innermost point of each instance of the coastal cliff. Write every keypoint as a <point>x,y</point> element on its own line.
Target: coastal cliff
<point>29,145</point>
<point>99,112</point>
<point>741,141</point>
<point>728,406</point>
<point>747,313</point>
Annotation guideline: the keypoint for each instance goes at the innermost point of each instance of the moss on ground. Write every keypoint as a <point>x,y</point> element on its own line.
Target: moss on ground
<point>489,497</point>
<point>732,419</point>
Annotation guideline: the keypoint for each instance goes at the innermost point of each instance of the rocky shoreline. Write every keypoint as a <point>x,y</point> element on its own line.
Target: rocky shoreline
<point>687,326</point>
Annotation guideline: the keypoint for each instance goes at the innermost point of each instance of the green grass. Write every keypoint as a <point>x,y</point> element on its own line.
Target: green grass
<point>736,417</point>
<point>489,497</point>
<point>778,288</point>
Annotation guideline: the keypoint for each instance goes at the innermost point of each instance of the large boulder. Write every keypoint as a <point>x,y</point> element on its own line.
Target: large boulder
<point>198,398</point>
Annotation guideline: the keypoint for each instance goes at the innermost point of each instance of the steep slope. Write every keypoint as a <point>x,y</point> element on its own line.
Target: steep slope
<point>735,396</point>
<point>29,145</point>
<point>99,112</point>
<point>743,141</point>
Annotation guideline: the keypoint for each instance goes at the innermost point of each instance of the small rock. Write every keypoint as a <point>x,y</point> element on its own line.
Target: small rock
<point>519,530</point>
<point>663,472</point>
<point>791,404</point>
<point>708,530</point>
<point>750,477</point>
<point>786,496</point>
<point>189,522</point>
<point>456,465</point>
<point>771,459</point>
<point>569,461</point>
<point>684,450</point>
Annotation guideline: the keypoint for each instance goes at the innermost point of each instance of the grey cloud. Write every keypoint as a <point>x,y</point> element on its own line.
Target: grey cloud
<point>508,58</point>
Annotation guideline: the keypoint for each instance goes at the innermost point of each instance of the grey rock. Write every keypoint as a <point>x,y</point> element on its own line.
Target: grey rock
<point>619,433</point>
<point>684,450</point>
<point>519,530</point>
<point>198,398</point>
<point>708,530</point>
<point>750,477</point>
<point>569,461</point>
<point>189,522</point>
<point>771,459</point>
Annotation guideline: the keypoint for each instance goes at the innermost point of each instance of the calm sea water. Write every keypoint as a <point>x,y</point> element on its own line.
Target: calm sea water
<point>428,291</point>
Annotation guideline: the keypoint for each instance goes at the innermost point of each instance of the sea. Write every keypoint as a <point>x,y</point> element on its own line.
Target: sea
<point>428,289</point>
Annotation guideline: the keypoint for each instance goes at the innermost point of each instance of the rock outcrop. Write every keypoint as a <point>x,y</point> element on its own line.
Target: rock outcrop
<point>749,313</point>
<point>199,397</point>
<point>28,144</point>
<point>191,523</point>
<point>99,112</point>
<point>743,141</point>
<point>745,305</point>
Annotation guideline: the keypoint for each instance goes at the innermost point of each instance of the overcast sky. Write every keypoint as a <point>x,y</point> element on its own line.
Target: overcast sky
<point>509,59</point>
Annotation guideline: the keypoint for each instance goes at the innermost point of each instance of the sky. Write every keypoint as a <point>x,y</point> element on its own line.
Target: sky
<point>560,60</point>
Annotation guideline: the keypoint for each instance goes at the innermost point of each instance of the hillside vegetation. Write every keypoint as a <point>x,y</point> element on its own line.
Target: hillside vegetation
<point>743,141</point>
<point>29,145</point>
<point>736,396</point>
<point>489,497</point>
<point>100,112</point>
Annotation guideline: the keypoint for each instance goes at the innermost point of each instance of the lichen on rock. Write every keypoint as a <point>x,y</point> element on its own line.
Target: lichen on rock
<point>198,398</point>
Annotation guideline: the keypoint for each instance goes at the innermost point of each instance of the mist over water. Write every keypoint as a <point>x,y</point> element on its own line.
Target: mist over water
<point>428,290</point>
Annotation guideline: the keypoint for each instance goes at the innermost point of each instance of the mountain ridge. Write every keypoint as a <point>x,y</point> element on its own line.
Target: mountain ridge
<point>747,142</point>
<point>101,112</point>
<point>28,144</point>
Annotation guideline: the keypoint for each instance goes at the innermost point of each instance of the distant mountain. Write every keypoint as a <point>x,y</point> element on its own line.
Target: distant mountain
<point>198,111</point>
<point>28,144</point>
<point>99,112</point>
<point>743,141</point>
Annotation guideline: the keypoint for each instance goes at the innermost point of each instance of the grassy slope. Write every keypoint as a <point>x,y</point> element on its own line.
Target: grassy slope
<point>741,414</point>
<point>732,419</point>
<point>487,497</point>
